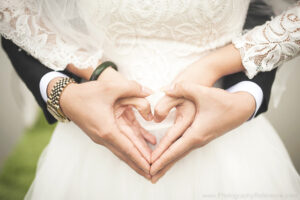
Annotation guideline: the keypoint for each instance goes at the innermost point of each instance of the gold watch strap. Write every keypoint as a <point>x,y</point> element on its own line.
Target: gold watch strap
<point>53,105</point>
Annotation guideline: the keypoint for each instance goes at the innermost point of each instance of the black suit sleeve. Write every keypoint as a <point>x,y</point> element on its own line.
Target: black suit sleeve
<point>258,14</point>
<point>31,71</point>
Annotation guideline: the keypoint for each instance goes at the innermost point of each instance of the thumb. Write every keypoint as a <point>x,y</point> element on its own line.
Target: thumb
<point>133,89</point>
<point>186,90</point>
<point>141,104</point>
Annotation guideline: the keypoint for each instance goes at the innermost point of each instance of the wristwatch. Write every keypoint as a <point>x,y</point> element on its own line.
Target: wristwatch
<point>53,105</point>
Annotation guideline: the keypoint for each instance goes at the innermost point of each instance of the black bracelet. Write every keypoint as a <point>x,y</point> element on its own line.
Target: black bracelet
<point>101,68</point>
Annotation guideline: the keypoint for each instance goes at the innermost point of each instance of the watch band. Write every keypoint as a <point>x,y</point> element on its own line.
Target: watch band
<point>53,101</point>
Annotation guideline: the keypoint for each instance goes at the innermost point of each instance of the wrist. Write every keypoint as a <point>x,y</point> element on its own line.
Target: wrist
<point>226,60</point>
<point>246,103</point>
<point>54,100</point>
<point>109,74</point>
<point>66,98</point>
<point>221,62</point>
<point>200,72</point>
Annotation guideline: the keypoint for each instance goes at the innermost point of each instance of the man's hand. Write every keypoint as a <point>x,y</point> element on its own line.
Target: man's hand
<point>218,112</point>
<point>185,114</point>
<point>93,107</point>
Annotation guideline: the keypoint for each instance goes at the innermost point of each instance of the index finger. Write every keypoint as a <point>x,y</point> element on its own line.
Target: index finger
<point>176,150</point>
<point>124,145</point>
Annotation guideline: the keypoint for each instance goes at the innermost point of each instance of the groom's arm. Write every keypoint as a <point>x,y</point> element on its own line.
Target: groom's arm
<point>261,85</point>
<point>32,72</point>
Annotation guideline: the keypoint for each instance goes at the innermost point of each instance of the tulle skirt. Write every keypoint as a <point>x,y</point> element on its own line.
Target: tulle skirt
<point>249,162</point>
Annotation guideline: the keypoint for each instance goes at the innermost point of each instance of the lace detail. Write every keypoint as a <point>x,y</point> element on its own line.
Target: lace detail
<point>150,41</point>
<point>20,22</point>
<point>270,45</point>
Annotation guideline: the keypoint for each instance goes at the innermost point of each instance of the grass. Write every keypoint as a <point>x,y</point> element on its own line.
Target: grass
<point>19,169</point>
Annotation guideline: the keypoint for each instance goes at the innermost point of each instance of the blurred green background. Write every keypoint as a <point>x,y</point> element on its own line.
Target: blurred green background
<point>18,171</point>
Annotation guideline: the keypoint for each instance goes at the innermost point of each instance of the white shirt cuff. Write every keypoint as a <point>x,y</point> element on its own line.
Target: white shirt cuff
<point>253,89</point>
<point>46,80</point>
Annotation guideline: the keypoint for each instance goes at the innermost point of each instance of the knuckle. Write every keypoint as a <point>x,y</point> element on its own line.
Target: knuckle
<point>134,85</point>
<point>129,151</point>
<point>108,86</point>
<point>180,85</point>
<point>95,139</point>
<point>197,141</point>
<point>105,135</point>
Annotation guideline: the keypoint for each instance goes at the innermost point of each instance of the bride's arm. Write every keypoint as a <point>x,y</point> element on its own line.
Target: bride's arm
<point>270,45</point>
<point>261,49</point>
<point>21,22</point>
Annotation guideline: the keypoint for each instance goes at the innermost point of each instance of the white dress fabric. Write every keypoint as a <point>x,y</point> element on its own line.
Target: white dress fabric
<point>270,45</point>
<point>151,42</point>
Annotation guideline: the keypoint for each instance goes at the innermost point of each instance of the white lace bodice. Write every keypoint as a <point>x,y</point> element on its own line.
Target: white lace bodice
<point>151,41</point>
<point>270,45</point>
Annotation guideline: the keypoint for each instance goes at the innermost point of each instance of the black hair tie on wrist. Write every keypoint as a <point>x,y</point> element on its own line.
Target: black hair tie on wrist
<point>101,68</point>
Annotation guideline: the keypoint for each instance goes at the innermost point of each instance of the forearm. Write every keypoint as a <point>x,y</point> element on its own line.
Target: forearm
<point>224,61</point>
<point>210,68</point>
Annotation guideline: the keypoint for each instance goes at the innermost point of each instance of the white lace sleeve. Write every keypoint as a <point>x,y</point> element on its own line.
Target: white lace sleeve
<point>270,45</point>
<point>20,22</point>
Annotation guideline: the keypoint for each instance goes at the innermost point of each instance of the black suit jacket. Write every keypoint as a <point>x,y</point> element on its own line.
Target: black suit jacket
<point>31,70</point>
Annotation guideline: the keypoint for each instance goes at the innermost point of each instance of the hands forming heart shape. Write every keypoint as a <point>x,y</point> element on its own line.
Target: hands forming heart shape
<point>199,110</point>
<point>129,126</point>
<point>103,110</point>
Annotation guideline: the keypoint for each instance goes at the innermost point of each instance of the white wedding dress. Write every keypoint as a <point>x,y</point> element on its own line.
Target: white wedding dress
<point>151,42</point>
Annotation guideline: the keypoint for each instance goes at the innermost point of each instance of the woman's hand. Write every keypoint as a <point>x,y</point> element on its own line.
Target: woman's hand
<point>93,107</point>
<point>218,111</point>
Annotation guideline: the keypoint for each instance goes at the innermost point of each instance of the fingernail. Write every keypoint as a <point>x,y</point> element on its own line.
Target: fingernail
<point>147,90</point>
<point>150,116</point>
<point>148,176</point>
<point>169,88</point>
<point>156,119</point>
<point>153,181</point>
